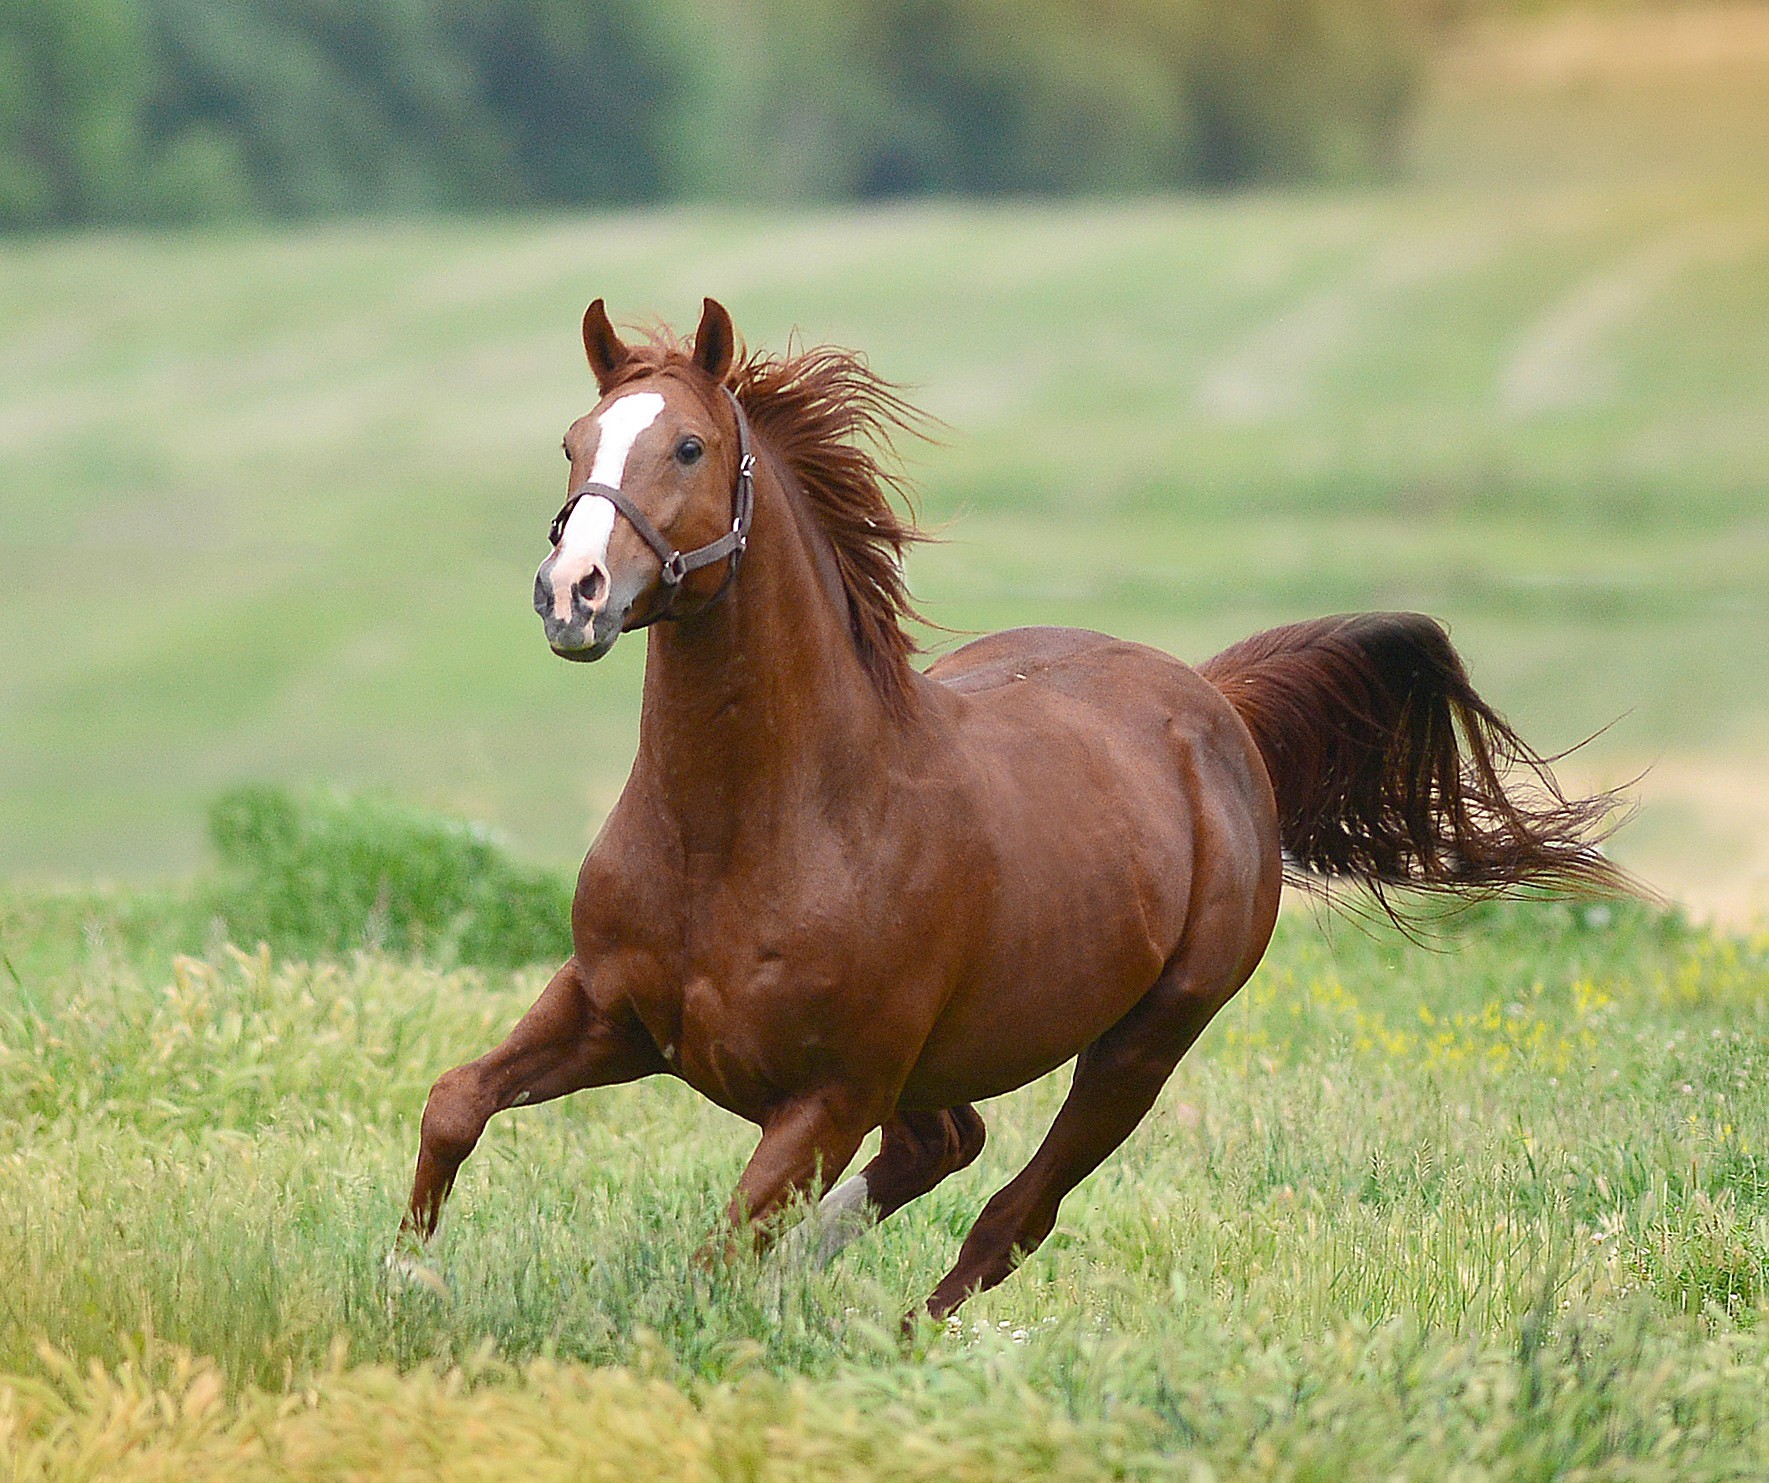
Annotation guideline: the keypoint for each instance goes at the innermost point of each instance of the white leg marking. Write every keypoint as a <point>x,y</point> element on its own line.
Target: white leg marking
<point>583,544</point>
<point>843,1215</point>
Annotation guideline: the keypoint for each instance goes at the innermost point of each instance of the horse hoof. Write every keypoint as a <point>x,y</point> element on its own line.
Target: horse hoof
<point>405,1270</point>
<point>920,1323</point>
<point>719,1254</point>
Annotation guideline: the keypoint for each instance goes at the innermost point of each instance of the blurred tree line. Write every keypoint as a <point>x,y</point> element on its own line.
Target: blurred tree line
<point>178,110</point>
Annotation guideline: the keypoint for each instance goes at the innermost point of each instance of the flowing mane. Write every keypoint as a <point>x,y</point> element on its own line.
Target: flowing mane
<point>833,420</point>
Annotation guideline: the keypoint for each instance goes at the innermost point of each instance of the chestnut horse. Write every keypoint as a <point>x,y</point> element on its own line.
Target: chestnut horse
<point>840,894</point>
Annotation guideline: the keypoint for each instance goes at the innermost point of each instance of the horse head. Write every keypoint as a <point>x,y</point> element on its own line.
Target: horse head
<point>657,511</point>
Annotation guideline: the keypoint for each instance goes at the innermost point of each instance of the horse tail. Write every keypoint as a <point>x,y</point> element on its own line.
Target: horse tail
<point>1390,769</point>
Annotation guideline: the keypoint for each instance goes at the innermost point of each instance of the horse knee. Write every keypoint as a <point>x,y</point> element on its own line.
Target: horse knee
<point>455,1115</point>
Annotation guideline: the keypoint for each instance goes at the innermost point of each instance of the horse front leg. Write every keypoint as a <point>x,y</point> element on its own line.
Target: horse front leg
<point>806,1143</point>
<point>565,1043</point>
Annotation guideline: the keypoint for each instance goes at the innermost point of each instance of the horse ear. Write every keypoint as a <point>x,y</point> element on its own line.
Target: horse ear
<point>606,350</point>
<point>715,342</point>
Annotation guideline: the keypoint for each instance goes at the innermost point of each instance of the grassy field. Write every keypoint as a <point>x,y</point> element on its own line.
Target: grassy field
<point>270,503</point>
<point>1496,1211</point>
<point>272,500</point>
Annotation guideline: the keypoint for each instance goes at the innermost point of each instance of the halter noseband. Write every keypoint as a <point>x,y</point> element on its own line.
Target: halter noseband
<point>677,564</point>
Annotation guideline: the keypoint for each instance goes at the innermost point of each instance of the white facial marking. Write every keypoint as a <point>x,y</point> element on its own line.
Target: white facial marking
<point>583,544</point>
<point>621,425</point>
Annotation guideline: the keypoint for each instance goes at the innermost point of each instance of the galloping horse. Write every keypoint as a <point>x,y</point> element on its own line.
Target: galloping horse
<point>840,894</point>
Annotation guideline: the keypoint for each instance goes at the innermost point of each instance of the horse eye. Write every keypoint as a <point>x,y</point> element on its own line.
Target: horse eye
<point>565,448</point>
<point>689,450</point>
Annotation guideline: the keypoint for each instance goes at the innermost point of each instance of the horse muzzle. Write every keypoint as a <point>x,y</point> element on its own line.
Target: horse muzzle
<point>581,621</point>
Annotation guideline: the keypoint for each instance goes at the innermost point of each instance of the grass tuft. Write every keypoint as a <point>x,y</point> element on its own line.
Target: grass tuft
<point>324,874</point>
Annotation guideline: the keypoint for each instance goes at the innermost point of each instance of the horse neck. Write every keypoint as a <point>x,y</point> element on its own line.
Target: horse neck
<point>762,697</point>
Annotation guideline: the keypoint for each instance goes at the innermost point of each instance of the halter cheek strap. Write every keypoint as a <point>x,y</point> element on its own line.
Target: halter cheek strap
<point>728,548</point>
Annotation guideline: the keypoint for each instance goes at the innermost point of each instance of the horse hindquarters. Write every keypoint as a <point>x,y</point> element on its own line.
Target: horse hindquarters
<point>1110,794</point>
<point>1386,766</point>
<point>1231,906</point>
<point>1117,1079</point>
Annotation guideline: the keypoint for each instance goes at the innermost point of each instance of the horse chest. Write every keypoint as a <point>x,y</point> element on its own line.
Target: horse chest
<point>785,965</point>
<point>745,1039</point>
<point>757,1016</point>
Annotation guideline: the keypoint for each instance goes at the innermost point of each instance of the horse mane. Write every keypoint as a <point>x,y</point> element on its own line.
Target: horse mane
<point>833,421</point>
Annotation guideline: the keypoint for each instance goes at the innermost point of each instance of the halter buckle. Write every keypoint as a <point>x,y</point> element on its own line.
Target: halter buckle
<point>559,520</point>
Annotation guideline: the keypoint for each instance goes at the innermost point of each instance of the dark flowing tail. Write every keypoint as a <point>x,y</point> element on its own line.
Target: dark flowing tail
<point>1391,770</point>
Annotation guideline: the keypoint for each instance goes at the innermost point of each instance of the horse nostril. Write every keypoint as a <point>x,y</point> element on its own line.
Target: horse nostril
<point>591,586</point>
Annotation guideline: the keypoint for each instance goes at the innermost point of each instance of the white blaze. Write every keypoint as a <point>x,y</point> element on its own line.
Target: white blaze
<point>621,425</point>
<point>583,544</point>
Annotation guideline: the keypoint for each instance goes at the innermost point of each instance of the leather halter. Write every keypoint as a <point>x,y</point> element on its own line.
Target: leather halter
<point>677,564</point>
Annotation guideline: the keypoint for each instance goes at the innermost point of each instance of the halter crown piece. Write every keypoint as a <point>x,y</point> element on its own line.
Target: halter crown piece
<point>677,564</point>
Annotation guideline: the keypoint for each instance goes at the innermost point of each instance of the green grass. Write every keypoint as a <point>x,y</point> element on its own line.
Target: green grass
<point>322,876</point>
<point>1510,1199</point>
<point>318,876</point>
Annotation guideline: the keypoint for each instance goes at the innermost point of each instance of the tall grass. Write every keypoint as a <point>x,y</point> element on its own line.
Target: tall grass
<point>1505,1203</point>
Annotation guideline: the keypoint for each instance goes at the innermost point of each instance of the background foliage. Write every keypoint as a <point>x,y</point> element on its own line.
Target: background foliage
<point>326,873</point>
<point>174,110</point>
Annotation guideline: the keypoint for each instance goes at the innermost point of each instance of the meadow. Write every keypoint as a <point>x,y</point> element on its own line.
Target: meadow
<point>1495,1208</point>
<point>1491,1205</point>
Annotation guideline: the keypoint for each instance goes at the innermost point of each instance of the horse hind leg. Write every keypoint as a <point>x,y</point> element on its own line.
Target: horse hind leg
<point>1117,1079</point>
<point>916,1151</point>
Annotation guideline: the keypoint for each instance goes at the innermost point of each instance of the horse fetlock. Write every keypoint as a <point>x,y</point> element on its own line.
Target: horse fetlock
<point>405,1269</point>
<point>841,1217</point>
<point>718,1253</point>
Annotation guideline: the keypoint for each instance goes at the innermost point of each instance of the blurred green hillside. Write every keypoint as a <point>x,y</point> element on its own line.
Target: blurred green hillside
<point>272,500</point>
<point>116,111</point>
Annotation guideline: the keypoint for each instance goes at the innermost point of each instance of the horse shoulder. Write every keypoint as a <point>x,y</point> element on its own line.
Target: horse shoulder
<point>626,910</point>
